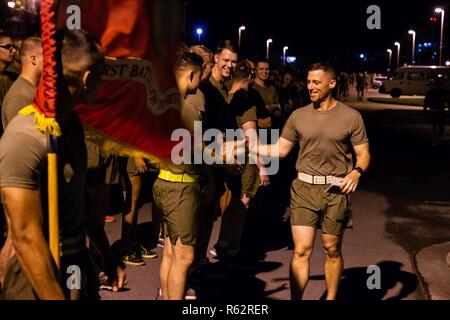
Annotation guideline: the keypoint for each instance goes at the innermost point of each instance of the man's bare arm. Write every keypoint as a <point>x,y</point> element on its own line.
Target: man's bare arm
<point>350,182</point>
<point>278,150</point>
<point>362,156</point>
<point>265,180</point>
<point>23,207</point>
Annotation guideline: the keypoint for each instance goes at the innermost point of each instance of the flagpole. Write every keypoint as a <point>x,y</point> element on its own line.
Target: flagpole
<point>48,27</point>
<point>53,208</point>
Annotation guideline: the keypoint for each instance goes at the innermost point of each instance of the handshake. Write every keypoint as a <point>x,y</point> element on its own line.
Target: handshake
<point>233,152</point>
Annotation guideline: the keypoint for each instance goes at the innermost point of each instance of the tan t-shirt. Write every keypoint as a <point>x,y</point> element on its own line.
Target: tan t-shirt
<point>268,94</point>
<point>249,115</point>
<point>191,108</point>
<point>326,139</point>
<point>20,95</point>
<point>23,164</point>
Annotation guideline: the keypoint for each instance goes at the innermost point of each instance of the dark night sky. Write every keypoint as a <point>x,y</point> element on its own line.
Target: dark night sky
<point>330,30</point>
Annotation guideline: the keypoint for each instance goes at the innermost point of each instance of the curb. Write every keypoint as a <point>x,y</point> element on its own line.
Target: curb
<point>431,264</point>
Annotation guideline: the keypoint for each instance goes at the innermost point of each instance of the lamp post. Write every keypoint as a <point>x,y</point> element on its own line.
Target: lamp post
<point>199,34</point>
<point>241,28</point>
<point>442,12</point>
<point>413,33</point>
<point>398,53</point>
<point>390,60</point>
<point>268,42</point>
<point>284,54</point>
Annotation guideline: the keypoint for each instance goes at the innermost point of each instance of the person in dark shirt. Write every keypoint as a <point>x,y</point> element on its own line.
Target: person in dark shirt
<point>7,51</point>
<point>435,101</point>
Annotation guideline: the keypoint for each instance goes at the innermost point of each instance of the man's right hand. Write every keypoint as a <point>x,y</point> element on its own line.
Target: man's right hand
<point>232,150</point>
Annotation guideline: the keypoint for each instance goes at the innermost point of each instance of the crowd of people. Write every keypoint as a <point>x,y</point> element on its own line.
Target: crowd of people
<point>223,91</point>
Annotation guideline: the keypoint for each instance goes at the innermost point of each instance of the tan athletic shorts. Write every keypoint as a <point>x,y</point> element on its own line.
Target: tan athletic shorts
<point>311,206</point>
<point>180,205</point>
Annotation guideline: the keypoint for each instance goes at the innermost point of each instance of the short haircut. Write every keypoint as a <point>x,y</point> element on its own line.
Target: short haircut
<point>242,71</point>
<point>206,54</point>
<point>4,35</point>
<point>227,44</point>
<point>325,67</point>
<point>261,60</point>
<point>187,60</point>
<point>31,45</point>
<point>79,46</point>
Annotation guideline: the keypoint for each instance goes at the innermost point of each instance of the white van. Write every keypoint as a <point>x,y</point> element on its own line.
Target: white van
<point>416,80</point>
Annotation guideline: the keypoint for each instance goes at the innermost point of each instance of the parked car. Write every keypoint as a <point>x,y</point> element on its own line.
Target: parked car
<point>377,82</point>
<point>416,80</point>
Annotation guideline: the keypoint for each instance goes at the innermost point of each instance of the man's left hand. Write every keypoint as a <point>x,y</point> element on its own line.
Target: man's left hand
<point>264,177</point>
<point>350,182</point>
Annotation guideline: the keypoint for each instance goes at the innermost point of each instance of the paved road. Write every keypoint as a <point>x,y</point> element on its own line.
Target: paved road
<point>402,206</point>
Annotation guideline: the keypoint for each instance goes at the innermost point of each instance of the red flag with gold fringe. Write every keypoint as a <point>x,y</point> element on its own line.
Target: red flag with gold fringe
<point>136,107</point>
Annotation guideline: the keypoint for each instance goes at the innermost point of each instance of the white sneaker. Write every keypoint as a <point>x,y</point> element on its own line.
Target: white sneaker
<point>190,295</point>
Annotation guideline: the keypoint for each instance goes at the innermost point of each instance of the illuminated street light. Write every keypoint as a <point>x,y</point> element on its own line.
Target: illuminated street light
<point>241,28</point>
<point>199,34</point>
<point>284,54</point>
<point>11,4</point>
<point>398,53</point>
<point>442,12</point>
<point>413,33</point>
<point>268,42</point>
<point>390,59</point>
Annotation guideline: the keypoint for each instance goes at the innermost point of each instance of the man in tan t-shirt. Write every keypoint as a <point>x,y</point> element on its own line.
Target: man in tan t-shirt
<point>328,132</point>
<point>177,192</point>
<point>21,93</point>
<point>267,92</point>
<point>30,274</point>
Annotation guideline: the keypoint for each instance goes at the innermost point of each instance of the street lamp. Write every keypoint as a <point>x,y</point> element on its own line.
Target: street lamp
<point>442,12</point>
<point>390,60</point>
<point>284,55</point>
<point>447,63</point>
<point>413,33</point>
<point>11,4</point>
<point>199,34</point>
<point>398,53</point>
<point>241,28</point>
<point>268,42</point>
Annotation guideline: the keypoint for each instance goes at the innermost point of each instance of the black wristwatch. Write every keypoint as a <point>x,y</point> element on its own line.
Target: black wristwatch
<point>361,171</point>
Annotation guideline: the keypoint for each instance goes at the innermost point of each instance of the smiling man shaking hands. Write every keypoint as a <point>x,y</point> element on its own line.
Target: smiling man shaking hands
<point>328,132</point>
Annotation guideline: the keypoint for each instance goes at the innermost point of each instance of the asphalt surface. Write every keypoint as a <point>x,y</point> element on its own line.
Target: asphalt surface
<point>402,206</point>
